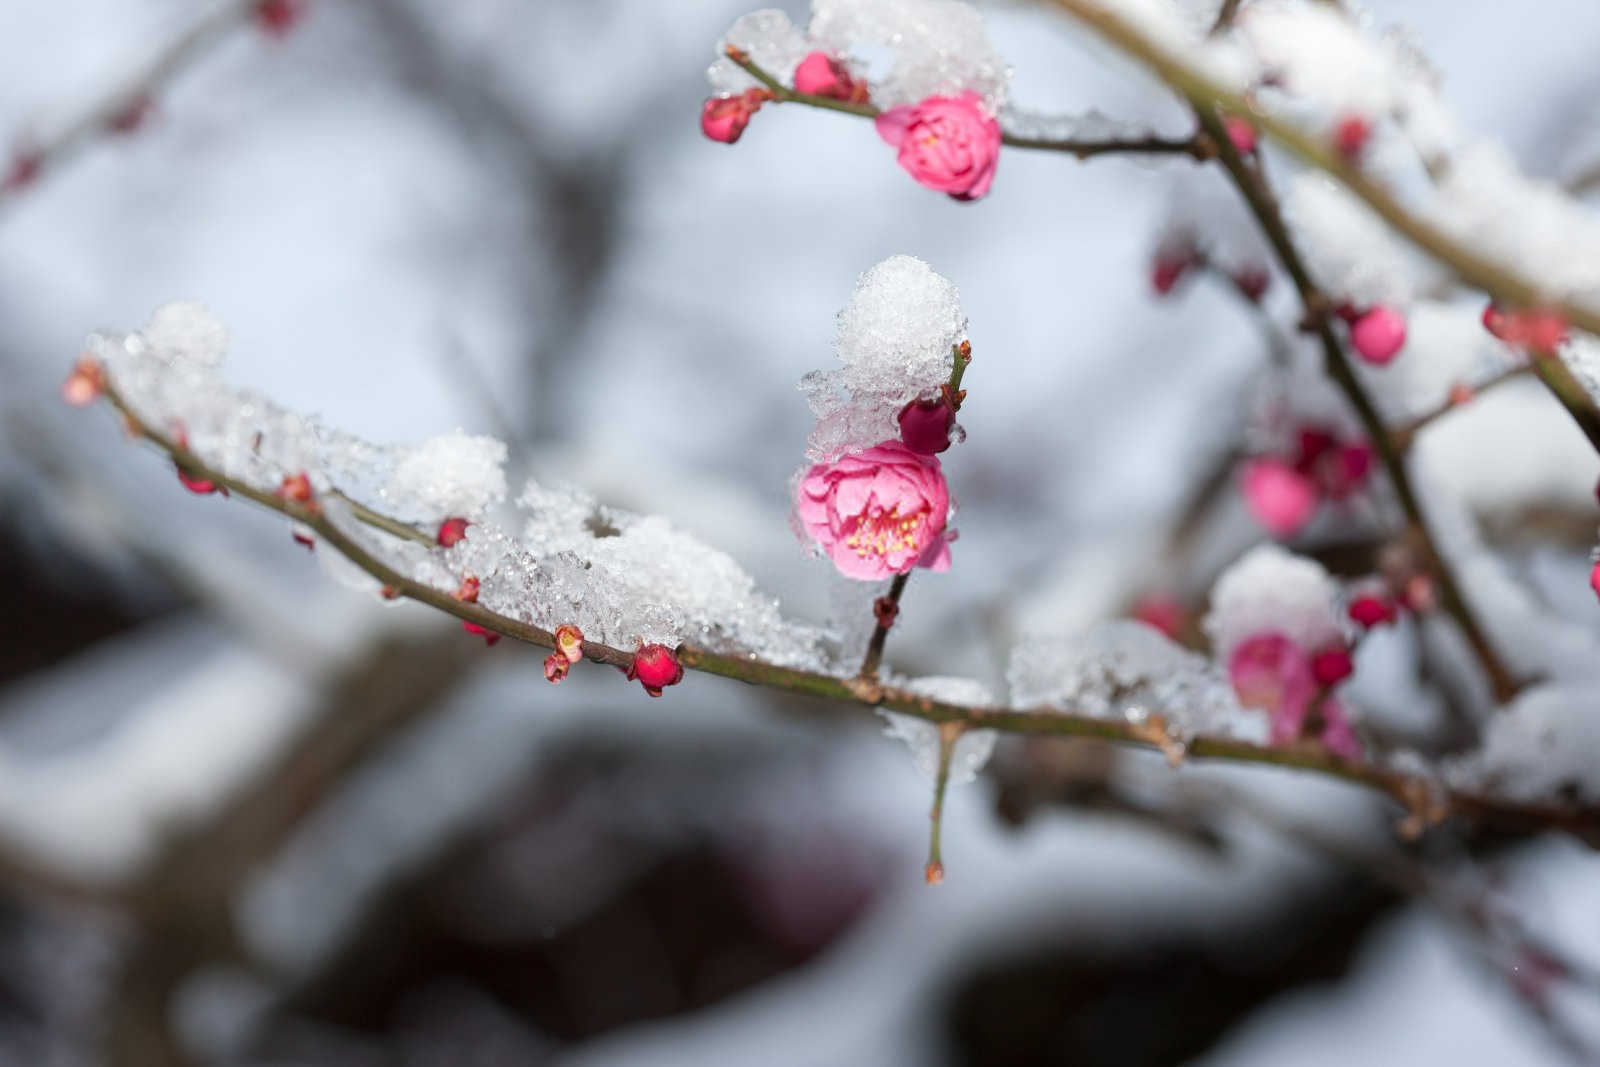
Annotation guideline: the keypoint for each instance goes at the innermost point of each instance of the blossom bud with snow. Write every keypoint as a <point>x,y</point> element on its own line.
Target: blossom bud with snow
<point>878,512</point>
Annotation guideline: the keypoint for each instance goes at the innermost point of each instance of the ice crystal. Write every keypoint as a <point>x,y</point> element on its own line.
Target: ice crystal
<point>971,750</point>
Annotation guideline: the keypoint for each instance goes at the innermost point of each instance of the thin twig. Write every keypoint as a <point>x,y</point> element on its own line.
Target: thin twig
<point>885,608</point>
<point>1194,147</point>
<point>127,97</point>
<point>1416,793</point>
<point>1405,436</point>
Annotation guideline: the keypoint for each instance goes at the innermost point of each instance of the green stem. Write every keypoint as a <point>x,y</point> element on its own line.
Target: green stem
<point>949,734</point>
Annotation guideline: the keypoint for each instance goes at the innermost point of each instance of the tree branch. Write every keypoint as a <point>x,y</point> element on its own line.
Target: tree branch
<point>1504,283</point>
<point>1424,797</point>
<point>1264,207</point>
<point>1196,147</point>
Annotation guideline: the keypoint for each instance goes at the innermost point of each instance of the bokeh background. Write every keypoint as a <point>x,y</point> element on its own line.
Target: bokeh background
<point>249,816</point>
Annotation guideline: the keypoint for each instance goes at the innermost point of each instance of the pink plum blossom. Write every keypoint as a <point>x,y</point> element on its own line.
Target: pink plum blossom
<point>1272,673</point>
<point>948,143</point>
<point>1280,497</point>
<point>877,512</point>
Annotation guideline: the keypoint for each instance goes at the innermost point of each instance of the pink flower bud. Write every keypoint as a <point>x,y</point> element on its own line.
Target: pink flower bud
<point>1350,136</point>
<point>452,530</point>
<point>1378,334</point>
<point>25,167</point>
<point>1495,320</point>
<point>1272,673</point>
<point>569,642</point>
<point>723,118</point>
<point>132,115</point>
<point>1331,666</point>
<point>925,425</point>
<point>1241,133</point>
<point>277,17</point>
<point>1280,498</point>
<point>1543,330</point>
<point>490,638</point>
<point>1252,282</point>
<point>819,74</point>
<point>198,486</point>
<point>1173,260</point>
<point>1594,578</point>
<point>302,537</point>
<point>86,383</point>
<point>1161,612</point>
<point>878,512</point>
<point>948,143</point>
<point>1419,595</point>
<point>296,488</point>
<point>655,667</point>
<point>1460,394</point>
<point>1371,610</point>
<point>556,667</point>
<point>468,592</point>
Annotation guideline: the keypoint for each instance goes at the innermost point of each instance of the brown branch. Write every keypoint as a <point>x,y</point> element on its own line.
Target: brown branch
<point>1319,316</point>
<point>885,608</point>
<point>1505,284</point>
<point>1195,147</point>
<point>1417,793</point>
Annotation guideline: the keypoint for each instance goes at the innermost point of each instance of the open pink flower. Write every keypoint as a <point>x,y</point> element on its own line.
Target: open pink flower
<point>1280,497</point>
<point>1274,674</point>
<point>948,143</point>
<point>877,512</point>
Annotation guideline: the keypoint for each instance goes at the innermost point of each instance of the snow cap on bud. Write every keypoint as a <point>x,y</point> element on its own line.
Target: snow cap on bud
<point>297,488</point>
<point>1378,334</point>
<point>1372,609</point>
<point>723,118</point>
<point>452,530</point>
<point>1279,497</point>
<point>820,74</point>
<point>278,17</point>
<point>655,667</point>
<point>1241,133</point>
<point>85,384</point>
<point>490,638</point>
<point>925,425</point>
<point>1350,136</point>
<point>1331,666</point>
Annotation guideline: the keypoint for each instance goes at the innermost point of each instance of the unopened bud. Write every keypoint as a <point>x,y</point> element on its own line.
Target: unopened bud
<point>655,667</point>
<point>452,530</point>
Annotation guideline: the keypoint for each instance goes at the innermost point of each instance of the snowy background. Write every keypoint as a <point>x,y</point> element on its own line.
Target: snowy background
<point>500,216</point>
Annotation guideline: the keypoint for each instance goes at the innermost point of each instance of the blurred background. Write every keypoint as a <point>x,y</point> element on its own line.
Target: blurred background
<point>248,816</point>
